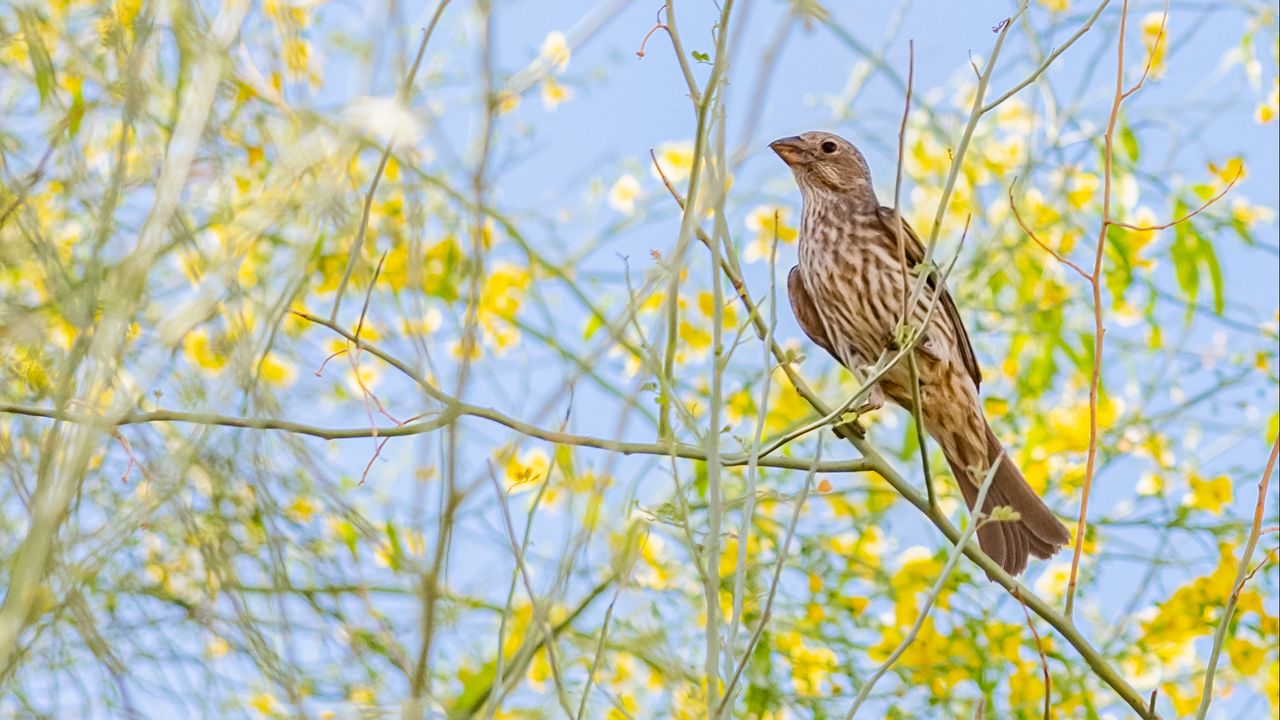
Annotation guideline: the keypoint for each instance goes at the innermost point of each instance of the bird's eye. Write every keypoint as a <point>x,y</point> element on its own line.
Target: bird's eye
<point>829,146</point>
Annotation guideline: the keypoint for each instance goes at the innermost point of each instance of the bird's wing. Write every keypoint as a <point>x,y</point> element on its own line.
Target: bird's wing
<point>806,314</point>
<point>946,304</point>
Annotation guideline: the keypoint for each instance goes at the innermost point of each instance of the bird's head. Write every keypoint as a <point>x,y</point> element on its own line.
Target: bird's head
<point>825,163</point>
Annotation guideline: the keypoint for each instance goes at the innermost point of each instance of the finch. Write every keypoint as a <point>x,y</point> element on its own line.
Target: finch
<point>846,294</point>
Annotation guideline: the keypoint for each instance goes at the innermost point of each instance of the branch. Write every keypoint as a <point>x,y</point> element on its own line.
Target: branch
<point>1188,216</point>
<point>354,253</point>
<point>932,597</point>
<point>681,450</point>
<point>1242,576</point>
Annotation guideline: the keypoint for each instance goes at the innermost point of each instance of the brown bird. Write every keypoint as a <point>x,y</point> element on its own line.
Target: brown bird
<point>846,294</point>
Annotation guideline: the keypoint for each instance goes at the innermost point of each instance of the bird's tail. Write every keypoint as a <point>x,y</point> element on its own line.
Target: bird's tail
<point>1037,531</point>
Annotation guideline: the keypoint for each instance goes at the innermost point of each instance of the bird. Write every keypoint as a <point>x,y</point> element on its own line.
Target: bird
<point>846,294</point>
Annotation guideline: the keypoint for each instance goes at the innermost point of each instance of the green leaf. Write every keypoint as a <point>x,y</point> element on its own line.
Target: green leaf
<point>75,115</point>
<point>1210,260</point>
<point>1193,256</point>
<point>41,64</point>
<point>594,323</point>
<point>701,57</point>
<point>476,687</point>
<point>393,539</point>
<point>1128,142</point>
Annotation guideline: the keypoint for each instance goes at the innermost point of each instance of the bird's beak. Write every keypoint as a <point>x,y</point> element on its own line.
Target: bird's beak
<point>792,150</point>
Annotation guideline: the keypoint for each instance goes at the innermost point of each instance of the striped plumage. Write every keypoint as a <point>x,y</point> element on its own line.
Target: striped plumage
<point>847,295</point>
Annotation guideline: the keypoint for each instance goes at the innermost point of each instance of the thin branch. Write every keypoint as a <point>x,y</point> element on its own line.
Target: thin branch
<point>1188,216</point>
<point>681,450</point>
<point>1242,576</point>
<point>1044,661</point>
<point>539,613</point>
<point>779,562</point>
<point>354,254</point>
<point>1049,59</point>
<point>1031,234</point>
<point>977,520</point>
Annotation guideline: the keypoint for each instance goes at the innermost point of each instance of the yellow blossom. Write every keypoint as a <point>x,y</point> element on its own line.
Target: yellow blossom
<point>527,468</point>
<point>507,102</point>
<point>1150,484</point>
<point>1209,495</point>
<point>1081,188</point>
<point>361,695</point>
<point>1155,37</point>
<point>1233,169</point>
<point>554,93</point>
<point>675,159</point>
<point>265,703</point>
<point>810,667</point>
<point>201,351</point>
<point>555,51</point>
<point>1269,110</point>
<point>1250,215</point>
<point>301,509</point>
<point>217,648</point>
<point>276,370</point>
<point>768,222</point>
<point>623,194</point>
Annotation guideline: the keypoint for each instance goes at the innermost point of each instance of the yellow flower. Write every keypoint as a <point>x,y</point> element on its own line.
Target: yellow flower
<point>706,304</point>
<point>277,370</point>
<point>1150,484</point>
<point>507,102</point>
<point>217,648</point>
<point>366,379</point>
<point>265,703</point>
<point>1267,111</point>
<point>201,351</point>
<point>1250,215</point>
<point>426,325</point>
<point>297,57</point>
<point>675,159</point>
<point>361,695</point>
<point>1056,6</point>
<point>623,194</point>
<point>767,222</point>
<point>1052,583</point>
<point>810,667</point>
<point>301,509</point>
<point>1081,188</point>
<point>527,468</point>
<point>555,51</point>
<point>1155,37</point>
<point>1232,169</point>
<point>554,93</point>
<point>1209,495</point>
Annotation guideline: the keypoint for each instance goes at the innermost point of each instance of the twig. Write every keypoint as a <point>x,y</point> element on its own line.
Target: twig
<point>1242,574</point>
<point>538,612</point>
<point>767,614</point>
<point>1049,59</point>
<point>681,450</point>
<point>1188,216</point>
<point>354,254</point>
<point>604,629</point>
<point>1031,234</point>
<point>1044,661</point>
<point>912,367</point>
<point>977,520</point>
